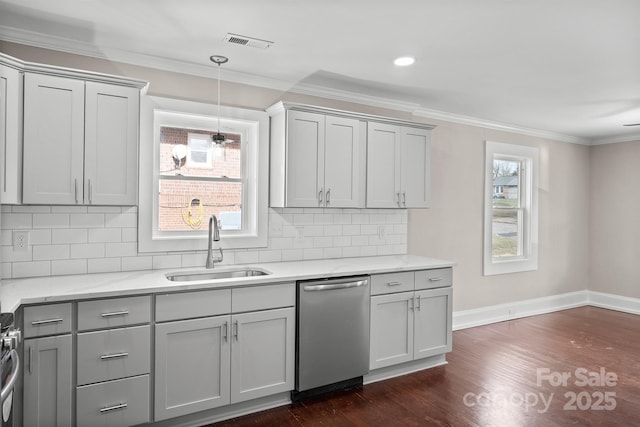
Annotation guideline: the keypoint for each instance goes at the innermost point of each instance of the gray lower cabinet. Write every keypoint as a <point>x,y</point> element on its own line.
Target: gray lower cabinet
<point>192,366</point>
<point>243,350</point>
<point>262,353</point>
<point>123,402</point>
<point>410,325</point>
<point>48,381</point>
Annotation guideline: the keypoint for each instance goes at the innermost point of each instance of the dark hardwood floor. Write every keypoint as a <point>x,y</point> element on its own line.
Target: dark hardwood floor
<point>577,367</point>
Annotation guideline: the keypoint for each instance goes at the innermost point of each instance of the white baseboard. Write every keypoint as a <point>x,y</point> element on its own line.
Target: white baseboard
<point>614,302</point>
<point>531,307</point>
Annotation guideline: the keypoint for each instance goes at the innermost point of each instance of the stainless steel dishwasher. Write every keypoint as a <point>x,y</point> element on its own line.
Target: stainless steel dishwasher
<point>332,339</point>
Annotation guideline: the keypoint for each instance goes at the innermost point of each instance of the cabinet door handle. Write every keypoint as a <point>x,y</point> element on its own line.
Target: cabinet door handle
<point>320,196</point>
<point>435,279</point>
<point>29,361</point>
<point>113,408</point>
<point>226,331</point>
<point>90,191</point>
<point>404,198</point>
<point>75,189</point>
<point>46,322</point>
<point>394,283</point>
<point>113,356</point>
<point>328,196</point>
<point>419,302</point>
<point>115,313</point>
<point>411,305</point>
<point>237,333</point>
<point>398,201</point>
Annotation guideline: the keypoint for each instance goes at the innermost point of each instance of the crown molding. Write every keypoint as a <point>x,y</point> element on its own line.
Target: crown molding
<point>615,140</point>
<point>32,38</point>
<point>506,127</point>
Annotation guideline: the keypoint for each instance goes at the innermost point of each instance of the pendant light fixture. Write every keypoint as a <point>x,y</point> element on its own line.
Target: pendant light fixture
<point>219,139</point>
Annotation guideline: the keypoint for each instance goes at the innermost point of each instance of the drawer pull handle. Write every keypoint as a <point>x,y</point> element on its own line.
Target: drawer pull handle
<point>394,284</point>
<point>115,313</point>
<point>113,408</point>
<point>46,322</point>
<point>435,279</point>
<point>113,356</point>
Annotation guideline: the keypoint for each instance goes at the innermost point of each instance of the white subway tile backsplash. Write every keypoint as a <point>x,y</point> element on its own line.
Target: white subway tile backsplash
<point>104,265</point>
<point>11,221</point>
<point>247,257</point>
<point>87,250</point>
<point>166,261</point>
<point>69,209</point>
<point>69,266</point>
<point>50,220</point>
<point>120,249</point>
<point>68,235</point>
<point>50,252</point>
<point>87,220</point>
<point>31,269</point>
<point>137,263</point>
<point>121,220</point>
<point>81,239</point>
<point>104,235</point>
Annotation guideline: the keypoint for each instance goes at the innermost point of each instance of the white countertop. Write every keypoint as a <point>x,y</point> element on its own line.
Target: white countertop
<point>16,292</point>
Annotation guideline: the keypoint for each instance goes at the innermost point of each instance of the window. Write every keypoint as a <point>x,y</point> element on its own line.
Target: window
<point>185,177</point>
<point>511,211</point>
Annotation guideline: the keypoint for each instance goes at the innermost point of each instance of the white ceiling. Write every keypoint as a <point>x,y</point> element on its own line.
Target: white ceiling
<point>567,67</point>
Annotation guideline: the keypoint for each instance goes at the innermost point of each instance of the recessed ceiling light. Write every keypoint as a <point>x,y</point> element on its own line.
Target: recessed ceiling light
<point>403,61</point>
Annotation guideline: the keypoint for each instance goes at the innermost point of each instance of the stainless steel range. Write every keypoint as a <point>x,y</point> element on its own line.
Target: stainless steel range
<point>10,366</point>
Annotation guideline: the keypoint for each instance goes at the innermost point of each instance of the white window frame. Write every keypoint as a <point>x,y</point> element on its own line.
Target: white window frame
<point>528,188</point>
<point>255,125</point>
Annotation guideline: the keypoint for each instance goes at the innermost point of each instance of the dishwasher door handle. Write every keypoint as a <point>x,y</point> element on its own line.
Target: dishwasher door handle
<point>312,288</point>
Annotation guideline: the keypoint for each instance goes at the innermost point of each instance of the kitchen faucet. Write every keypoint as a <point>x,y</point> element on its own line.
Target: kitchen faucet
<point>214,236</point>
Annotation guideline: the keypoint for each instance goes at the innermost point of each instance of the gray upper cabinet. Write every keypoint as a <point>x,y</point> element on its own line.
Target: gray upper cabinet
<point>318,160</point>
<point>80,142</point>
<point>398,166</point>
<point>322,157</point>
<point>10,132</point>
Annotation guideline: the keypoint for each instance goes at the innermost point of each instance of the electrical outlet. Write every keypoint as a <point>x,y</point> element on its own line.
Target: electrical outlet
<point>381,232</point>
<point>20,241</point>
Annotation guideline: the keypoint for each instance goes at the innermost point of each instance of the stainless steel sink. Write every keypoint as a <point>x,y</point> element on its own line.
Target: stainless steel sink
<point>214,275</point>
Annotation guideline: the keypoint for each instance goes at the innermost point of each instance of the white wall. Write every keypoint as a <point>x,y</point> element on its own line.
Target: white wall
<point>614,223</point>
<point>453,227</point>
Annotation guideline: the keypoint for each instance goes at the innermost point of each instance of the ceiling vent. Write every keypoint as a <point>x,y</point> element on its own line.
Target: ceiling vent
<point>247,41</point>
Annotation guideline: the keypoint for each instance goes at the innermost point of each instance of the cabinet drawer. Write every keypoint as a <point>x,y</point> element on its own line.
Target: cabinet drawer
<point>392,282</point>
<point>113,313</point>
<point>114,403</point>
<point>436,278</point>
<point>112,354</point>
<point>263,297</point>
<point>187,305</point>
<point>47,320</point>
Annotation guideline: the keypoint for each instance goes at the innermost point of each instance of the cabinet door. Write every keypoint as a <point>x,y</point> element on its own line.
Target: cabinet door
<point>192,366</point>
<point>305,159</point>
<point>10,135</point>
<point>344,163</point>
<point>47,381</point>
<point>111,144</point>
<point>53,140</point>
<point>433,322</point>
<point>415,172</point>
<point>391,329</point>
<point>383,165</point>
<point>262,353</point>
